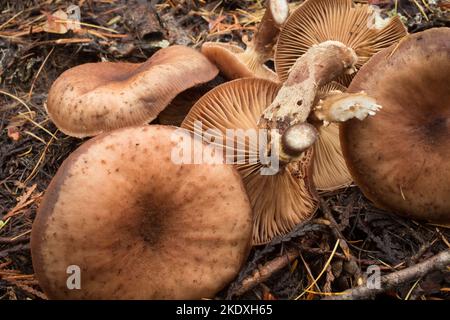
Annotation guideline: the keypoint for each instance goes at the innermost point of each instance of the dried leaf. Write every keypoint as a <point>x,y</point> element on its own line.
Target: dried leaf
<point>62,21</point>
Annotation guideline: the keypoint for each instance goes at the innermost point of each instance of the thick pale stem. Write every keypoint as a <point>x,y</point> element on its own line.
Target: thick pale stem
<point>277,11</point>
<point>340,107</point>
<point>295,100</point>
<point>318,66</point>
<point>295,140</point>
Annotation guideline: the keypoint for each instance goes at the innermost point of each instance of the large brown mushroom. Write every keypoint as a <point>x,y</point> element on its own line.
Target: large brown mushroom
<point>139,225</point>
<point>317,21</point>
<point>97,97</point>
<point>400,157</point>
<point>235,62</point>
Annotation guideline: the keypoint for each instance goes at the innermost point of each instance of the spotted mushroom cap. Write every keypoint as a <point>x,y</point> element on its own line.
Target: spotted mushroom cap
<point>139,225</point>
<point>400,157</point>
<point>316,21</point>
<point>97,97</point>
<point>279,201</point>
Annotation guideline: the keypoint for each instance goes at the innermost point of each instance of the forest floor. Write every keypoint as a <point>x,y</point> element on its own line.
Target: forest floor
<point>331,253</point>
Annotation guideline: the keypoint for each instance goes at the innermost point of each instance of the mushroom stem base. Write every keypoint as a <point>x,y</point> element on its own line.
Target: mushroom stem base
<point>340,107</point>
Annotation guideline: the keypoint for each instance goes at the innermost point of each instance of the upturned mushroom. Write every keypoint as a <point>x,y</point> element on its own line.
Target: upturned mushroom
<point>400,157</point>
<point>97,97</point>
<point>279,201</point>
<point>358,27</point>
<point>282,195</point>
<point>137,224</point>
<point>235,62</point>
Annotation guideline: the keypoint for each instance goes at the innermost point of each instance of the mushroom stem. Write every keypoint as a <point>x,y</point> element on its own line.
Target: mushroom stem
<point>318,66</point>
<point>295,100</point>
<point>277,12</point>
<point>340,107</point>
<point>295,140</point>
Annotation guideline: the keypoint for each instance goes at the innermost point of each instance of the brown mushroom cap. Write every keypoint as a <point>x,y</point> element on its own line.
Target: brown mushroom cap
<point>96,97</point>
<point>329,170</point>
<point>400,157</point>
<point>138,225</point>
<point>234,63</point>
<point>316,21</point>
<point>279,201</point>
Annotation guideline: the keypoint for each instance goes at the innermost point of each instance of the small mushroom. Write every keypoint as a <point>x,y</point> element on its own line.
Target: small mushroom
<point>400,157</point>
<point>137,224</point>
<point>317,21</point>
<point>235,62</point>
<point>97,97</point>
<point>279,201</point>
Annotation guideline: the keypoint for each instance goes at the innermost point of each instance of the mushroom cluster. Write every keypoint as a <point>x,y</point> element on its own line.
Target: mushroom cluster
<point>141,225</point>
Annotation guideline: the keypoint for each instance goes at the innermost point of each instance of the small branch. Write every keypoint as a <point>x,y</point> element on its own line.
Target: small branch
<point>264,272</point>
<point>338,235</point>
<point>14,240</point>
<point>395,279</point>
<point>16,248</point>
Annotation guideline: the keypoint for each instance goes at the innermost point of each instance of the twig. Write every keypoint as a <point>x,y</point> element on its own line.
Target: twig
<point>343,243</point>
<point>264,272</point>
<point>39,72</point>
<point>395,279</point>
<point>24,201</point>
<point>322,272</point>
<point>16,248</point>
<point>17,99</point>
<point>14,240</point>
